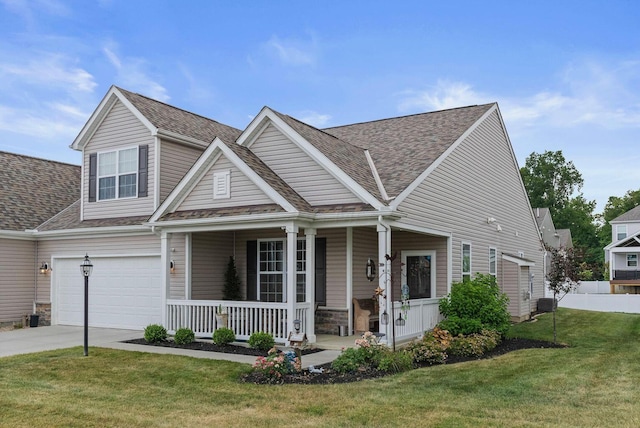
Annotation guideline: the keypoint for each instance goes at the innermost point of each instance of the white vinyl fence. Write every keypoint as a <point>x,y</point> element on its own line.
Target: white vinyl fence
<point>593,287</point>
<point>627,303</point>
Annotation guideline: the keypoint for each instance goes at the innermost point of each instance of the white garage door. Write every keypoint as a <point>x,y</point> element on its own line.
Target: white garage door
<point>124,292</point>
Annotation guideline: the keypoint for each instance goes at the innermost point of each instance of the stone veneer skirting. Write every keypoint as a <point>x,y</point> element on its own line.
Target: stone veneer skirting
<point>43,310</point>
<point>328,320</point>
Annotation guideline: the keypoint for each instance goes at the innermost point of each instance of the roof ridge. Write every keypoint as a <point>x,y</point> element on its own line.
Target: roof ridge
<point>407,115</point>
<point>322,131</point>
<point>38,158</point>
<point>176,108</point>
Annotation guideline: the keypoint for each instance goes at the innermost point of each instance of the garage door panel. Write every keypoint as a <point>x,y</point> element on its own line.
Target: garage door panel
<point>123,292</point>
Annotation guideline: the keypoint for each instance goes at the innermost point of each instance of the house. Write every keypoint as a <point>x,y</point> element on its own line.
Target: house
<point>168,196</point>
<point>622,252</point>
<point>551,237</point>
<point>31,191</point>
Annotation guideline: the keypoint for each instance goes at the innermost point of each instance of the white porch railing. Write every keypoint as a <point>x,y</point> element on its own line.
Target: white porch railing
<point>423,315</point>
<point>244,318</point>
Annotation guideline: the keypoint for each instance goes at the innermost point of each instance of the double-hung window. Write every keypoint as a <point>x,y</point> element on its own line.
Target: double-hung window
<point>272,270</point>
<point>632,260</point>
<point>466,261</point>
<point>118,174</point>
<point>419,269</point>
<point>621,231</point>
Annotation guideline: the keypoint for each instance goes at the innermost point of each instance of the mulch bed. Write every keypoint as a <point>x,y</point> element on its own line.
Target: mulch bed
<point>331,377</point>
<point>212,347</point>
<point>328,376</point>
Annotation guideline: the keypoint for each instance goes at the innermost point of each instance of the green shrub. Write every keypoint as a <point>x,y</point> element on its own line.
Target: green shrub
<point>261,340</point>
<point>155,333</point>
<point>475,305</point>
<point>367,354</point>
<point>432,348</point>
<point>396,362</point>
<point>184,336</point>
<point>350,360</point>
<point>474,345</point>
<point>223,336</point>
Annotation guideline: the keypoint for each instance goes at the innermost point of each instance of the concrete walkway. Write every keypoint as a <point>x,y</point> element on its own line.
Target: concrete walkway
<point>28,340</point>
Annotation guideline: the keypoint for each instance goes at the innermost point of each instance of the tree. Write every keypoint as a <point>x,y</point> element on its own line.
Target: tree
<point>232,283</point>
<point>550,180</point>
<point>562,277</point>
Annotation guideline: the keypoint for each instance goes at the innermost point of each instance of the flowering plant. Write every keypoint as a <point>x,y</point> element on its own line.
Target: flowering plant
<point>276,364</point>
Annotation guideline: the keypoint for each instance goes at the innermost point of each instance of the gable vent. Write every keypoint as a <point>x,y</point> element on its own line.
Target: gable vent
<point>222,185</point>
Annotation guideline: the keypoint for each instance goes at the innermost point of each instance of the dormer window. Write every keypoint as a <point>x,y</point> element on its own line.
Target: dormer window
<point>118,174</point>
<point>621,231</point>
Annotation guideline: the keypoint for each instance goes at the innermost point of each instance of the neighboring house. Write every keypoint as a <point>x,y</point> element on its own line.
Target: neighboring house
<point>551,237</point>
<point>168,196</point>
<point>622,253</point>
<point>31,191</point>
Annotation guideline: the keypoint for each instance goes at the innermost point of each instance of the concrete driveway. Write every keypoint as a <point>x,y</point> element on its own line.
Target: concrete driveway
<point>27,340</point>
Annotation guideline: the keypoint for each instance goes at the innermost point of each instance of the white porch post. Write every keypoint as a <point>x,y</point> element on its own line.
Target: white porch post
<point>292,239</point>
<point>450,263</point>
<point>187,265</point>
<point>384,281</point>
<point>349,279</point>
<point>165,257</point>
<point>310,275</point>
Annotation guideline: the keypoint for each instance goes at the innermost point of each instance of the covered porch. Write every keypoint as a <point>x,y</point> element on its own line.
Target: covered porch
<point>325,263</point>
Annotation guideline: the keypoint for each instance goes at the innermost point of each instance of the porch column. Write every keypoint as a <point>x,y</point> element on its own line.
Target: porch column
<point>310,275</point>
<point>165,278</point>
<point>384,281</point>
<point>292,239</point>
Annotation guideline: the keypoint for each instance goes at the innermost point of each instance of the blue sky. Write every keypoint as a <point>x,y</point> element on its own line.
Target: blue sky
<point>566,74</point>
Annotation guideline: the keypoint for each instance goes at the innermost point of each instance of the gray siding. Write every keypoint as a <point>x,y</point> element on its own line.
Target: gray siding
<point>123,245</point>
<point>365,246</point>
<point>479,179</point>
<point>120,129</point>
<point>175,161</point>
<point>177,278</point>
<point>336,266</point>
<point>243,191</point>
<point>210,255</point>
<point>18,269</point>
<point>301,172</point>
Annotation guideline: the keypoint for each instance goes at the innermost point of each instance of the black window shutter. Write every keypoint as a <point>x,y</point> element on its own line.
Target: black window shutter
<point>321,271</point>
<point>252,270</point>
<point>93,176</point>
<point>143,170</point>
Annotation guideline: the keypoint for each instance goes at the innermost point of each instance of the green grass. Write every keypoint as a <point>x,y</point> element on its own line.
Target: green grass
<point>594,382</point>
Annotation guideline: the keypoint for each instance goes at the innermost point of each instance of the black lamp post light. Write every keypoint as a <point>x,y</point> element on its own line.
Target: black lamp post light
<point>86,268</point>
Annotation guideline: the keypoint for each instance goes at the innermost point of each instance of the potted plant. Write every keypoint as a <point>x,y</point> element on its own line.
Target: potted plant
<point>221,316</point>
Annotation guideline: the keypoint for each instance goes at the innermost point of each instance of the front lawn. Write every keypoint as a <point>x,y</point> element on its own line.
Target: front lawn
<point>594,382</point>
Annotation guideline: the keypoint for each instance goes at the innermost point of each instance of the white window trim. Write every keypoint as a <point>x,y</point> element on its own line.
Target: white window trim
<point>284,268</point>
<point>462,272</point>
<point>117,174</point>
<point>619,229</point>
<point>222,191</point>
<point>432,253</point>
<point>495,260</point>
<point>627,259</point>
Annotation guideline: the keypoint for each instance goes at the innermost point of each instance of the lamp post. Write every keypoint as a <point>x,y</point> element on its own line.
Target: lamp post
<point>85,268</point>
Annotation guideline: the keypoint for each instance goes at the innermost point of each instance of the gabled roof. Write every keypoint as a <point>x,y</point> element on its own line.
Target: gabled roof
<point>348,157</point>
<point>159,118</point>
<point>166,117</point>
<point>402,148</point>
<point>565,239</point>
<point>33,190</point>
<point>540,214</point>
<point>631,215</point>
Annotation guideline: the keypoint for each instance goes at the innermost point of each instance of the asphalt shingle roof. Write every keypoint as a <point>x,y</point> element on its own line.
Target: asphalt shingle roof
<point>631,215</point>
<point>33,190</point>
<point>169,118</point>
<point>69,218</point>
<point>402,148</point>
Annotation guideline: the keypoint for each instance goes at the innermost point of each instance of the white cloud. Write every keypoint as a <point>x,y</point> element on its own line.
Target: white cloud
<point>313,118</point>
<point>56,123</point>
<point>132,74</point>
<point>49,70</point>
<point>444,95</point>
<point>293,52</point>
